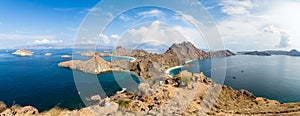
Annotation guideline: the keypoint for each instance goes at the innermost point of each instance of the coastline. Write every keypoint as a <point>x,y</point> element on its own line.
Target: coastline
<point>133,59</point>
<point>172,68</point>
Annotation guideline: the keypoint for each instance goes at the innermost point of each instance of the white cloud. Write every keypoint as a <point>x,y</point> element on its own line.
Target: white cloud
<point>46,41</point>
<point>159,32</point>
<point>247,28</point>
<point>284,41</point>
<point>236,7</point>
<point>104,38</point>
<point>151,13</point>
<point>115,36</point>
<point>124,17</point>
<point>87,42</point>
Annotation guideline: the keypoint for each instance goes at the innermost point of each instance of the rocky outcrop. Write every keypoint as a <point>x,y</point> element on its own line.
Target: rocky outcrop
<point>19,111</point>
<point>91,54</point>
<point>23,52</point>
<point>120,51</point>
<point>66,56</point>
<point>95,65</point>
<point>48,54</point>
<point>221,53</point>
<point>88,53</point>
<point>186,51</point>
<point>207,98</point>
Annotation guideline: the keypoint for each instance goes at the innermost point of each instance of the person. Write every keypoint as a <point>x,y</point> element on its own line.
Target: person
<point>102,103</point>
<point>193,85</point>
<point>160,83</point>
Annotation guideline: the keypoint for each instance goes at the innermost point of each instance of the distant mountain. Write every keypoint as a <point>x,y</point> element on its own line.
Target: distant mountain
<point>294,53</point>
<point>272,52</point>
<point>221,53</point>
<point>256,53</point>
<point>186,51</point>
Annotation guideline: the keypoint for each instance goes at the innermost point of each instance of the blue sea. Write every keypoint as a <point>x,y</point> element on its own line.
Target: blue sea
<point>39,82</point>
<point>273,77</point>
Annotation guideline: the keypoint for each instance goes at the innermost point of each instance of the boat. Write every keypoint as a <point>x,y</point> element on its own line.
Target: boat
<point>122,91</point>
<point>105,51</point>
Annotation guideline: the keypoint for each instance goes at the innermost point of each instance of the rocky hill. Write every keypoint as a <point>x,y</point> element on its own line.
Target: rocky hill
<point>221,53</point>
<point>185,51</point>
<point>294,53</point>
<point>95,65</point>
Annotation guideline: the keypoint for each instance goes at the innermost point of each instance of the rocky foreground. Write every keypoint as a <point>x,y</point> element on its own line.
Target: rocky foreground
<point>206,98</point>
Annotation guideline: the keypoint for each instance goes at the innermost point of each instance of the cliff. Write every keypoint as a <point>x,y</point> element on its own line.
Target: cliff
<point>23,52</point>
<point>95,65</point>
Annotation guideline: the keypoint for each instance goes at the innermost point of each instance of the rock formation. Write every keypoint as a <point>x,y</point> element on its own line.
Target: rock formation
<point>23,52</point>
<point>221,53</point>
<point>120,51</point>
<point>186,51</point>
<point>88,53</point>
<point>96,65</point>
<point>65,56</point>
<point>48,54</point>
<point>19,111</point>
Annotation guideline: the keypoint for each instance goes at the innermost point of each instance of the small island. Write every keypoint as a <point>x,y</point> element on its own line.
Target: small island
<point>65,56</point>
<point>23,52</point>
<point>48,54</point>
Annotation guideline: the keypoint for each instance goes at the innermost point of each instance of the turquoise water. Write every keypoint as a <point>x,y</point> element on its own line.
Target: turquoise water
<point>38,81</point>
<point>274,77</point>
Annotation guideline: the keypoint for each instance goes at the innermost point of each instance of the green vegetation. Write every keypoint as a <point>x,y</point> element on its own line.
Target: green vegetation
<point>124,103</point>
<point>186,80</point>
<point>147,77</point>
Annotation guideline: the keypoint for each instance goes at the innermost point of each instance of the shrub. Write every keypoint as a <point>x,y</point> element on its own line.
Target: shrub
<point>124,103</point>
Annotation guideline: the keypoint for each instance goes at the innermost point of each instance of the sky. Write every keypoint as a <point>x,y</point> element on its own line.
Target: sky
<point>244,24</point>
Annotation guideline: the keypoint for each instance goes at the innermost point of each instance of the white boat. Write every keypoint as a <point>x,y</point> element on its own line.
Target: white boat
<point>122,91</point>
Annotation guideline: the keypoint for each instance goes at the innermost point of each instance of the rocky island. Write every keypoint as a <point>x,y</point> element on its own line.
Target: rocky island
<point>96,65</point>
<point>293,52</point>
<point>23,52</point>
<point>66,56</point>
